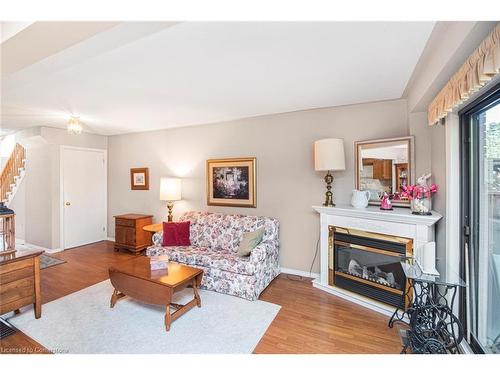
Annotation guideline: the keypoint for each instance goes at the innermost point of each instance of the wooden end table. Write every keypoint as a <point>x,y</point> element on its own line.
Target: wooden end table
<point>134,278</point>
<point>20,281</point>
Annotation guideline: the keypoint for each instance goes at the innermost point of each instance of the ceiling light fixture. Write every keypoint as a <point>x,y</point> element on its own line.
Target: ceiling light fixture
<point>74,126</point>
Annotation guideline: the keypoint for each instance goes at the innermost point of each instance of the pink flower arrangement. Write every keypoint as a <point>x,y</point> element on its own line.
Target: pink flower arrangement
<point>419,191</point>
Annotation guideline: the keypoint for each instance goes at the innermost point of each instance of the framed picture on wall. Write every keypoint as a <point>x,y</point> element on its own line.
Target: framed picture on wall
<point>232,182</point>
<point>139,178</point>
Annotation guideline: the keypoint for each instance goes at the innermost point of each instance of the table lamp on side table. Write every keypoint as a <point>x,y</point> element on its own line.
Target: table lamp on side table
<point>329,156</point>
<point>170,191</point>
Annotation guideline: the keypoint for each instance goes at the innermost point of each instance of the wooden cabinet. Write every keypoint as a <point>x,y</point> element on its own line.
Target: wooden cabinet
<point>401,176</point>
<point>129,234</point>
<point>382,169</point>
<point>20,282</point>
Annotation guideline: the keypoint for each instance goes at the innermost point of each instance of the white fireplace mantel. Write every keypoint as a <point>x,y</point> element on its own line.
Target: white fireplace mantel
<point>399,222</point>
<point>397,215</point>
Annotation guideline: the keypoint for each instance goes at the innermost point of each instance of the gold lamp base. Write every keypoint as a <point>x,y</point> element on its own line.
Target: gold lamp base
<point>170,206</point>
<point>329,194</point>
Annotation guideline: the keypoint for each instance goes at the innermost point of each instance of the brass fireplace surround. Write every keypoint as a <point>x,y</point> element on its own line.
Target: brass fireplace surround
<point>406,242</point>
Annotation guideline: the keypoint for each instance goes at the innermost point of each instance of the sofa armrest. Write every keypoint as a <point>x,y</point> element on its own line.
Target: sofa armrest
<point>158,238</point>
<point>263,250</point>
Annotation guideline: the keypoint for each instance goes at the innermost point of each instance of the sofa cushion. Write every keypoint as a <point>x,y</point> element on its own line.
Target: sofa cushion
<point>176,234</point>
<point>249,241</point>
<point>206,257</point>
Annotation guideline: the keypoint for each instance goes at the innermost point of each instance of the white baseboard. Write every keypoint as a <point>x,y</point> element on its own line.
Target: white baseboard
<point>47,250</point>
<point>52,251</point>
<point>291,271</point>
<point>112,239</point>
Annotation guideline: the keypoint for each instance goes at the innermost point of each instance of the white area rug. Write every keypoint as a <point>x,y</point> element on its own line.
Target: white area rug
<point>83,322</point>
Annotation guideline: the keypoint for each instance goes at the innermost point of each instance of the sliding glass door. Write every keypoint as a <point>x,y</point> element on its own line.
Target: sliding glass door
<point>480,129</point>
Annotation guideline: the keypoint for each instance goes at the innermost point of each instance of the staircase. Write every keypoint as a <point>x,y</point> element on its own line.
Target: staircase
<point>12,174</point>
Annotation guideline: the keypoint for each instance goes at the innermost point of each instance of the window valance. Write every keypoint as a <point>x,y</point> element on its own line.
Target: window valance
<point>478,69</point>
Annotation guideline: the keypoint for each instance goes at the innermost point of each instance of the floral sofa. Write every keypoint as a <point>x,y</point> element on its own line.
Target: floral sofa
<point>214,241</point>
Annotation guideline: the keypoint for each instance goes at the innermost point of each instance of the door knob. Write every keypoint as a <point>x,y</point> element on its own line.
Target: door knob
<point>68,204</point>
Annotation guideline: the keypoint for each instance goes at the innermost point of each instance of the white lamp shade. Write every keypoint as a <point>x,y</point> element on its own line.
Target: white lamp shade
<point>329,155</point>
<point>170,189</point>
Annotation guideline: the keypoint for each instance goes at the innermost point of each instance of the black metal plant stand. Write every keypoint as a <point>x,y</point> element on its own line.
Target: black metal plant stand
<point>433,328</point>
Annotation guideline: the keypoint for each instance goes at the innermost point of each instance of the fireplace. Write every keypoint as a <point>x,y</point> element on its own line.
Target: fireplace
<point>368,264</point>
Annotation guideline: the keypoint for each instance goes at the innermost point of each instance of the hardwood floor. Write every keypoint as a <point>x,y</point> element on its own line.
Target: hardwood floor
<point>310,320</point>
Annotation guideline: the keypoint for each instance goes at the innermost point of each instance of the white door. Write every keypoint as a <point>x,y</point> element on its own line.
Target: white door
<point>84,196</point>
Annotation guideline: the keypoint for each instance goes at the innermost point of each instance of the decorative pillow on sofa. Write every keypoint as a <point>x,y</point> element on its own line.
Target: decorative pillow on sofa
<point>249,241</point>
<point>176,234</point>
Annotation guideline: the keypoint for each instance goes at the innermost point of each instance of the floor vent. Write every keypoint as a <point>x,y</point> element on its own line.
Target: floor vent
<point>6,329</point>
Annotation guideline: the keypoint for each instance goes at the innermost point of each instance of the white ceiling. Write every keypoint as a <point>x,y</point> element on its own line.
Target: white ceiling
<point>9,29</point>
<point>143,76</point>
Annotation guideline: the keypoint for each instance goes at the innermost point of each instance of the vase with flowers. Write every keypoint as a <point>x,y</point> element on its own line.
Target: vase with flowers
<point>420,195</point>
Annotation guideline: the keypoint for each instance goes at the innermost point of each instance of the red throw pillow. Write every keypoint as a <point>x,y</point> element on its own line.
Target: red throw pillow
<point>176,234</point>
<point>183,233</point>
<point>169,234</point>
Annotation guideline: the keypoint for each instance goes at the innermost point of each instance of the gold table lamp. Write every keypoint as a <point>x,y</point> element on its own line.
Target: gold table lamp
<point>170,191</point>
<point>329,156</point>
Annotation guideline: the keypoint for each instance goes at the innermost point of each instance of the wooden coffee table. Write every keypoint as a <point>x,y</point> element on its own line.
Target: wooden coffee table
<point>135,279</point>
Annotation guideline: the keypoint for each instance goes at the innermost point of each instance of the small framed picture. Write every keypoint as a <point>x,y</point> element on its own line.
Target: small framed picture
<point>139,178</point>
<point>231,182</point>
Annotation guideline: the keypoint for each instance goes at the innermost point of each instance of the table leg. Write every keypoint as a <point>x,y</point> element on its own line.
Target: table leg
<point>38,296</point>
<point>168,318</point>
<point>196,295</point>
<point>115,297</point>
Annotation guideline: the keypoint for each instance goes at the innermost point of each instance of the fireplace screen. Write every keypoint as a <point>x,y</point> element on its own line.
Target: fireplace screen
<point>369,264</point>
<point>377,268</point>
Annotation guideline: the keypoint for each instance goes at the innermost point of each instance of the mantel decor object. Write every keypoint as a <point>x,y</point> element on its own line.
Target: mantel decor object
<point>385,166</point>
<point>420,195</point>
<point>170,191</point>
<point>329,156</point>
<point>385,203</point>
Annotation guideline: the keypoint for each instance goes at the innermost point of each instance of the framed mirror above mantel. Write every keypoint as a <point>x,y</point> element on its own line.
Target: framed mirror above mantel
<point>385,166</point>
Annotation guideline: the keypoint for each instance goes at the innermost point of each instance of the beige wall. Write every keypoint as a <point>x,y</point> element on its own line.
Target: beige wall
<point>287,185</point>
<point>438,155</point>
<point>417,123</point>
<point>430,148</point>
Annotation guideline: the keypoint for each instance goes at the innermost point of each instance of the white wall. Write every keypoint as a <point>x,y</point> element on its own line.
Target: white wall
<point>287,185</point>
<point>40,197</point>
<point>18,204</point>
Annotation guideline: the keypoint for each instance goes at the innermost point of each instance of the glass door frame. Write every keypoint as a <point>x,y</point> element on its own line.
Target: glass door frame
<point>469,163</point>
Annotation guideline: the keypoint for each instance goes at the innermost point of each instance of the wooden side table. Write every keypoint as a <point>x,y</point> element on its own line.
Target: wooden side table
<point>153,228</point>
<point>129,234</point>
<point>20,282</point>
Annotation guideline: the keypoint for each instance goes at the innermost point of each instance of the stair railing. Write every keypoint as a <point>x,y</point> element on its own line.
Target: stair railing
<point>11,171</point>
